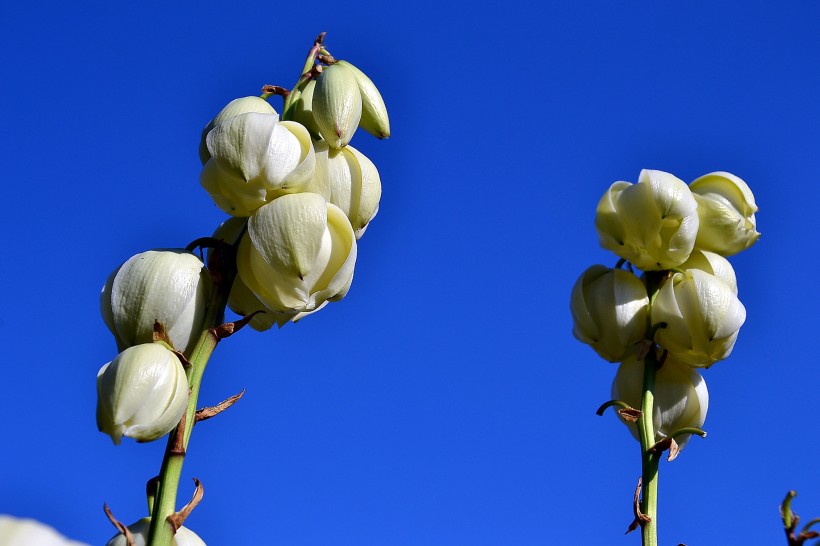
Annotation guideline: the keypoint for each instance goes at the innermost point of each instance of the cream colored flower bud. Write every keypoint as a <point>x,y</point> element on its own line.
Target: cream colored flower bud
<point>141,394</point>
<point>299,253</point>
<point>254,159</point>
<point>140,529</point>
<point>653,223</point>
<point>609,308</point>
<point>374,112</point>
<point>714,264</point>
<point>681,397</point>
<point>352,181</point>
<point>726,208</point>
<point>171,286</point>
<point>28,532</point>
<point>234,108</point>
<point>702,316</point>
<point>337,105</point>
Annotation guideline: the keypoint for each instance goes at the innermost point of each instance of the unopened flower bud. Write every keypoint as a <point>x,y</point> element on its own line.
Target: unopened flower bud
<point>337,105</point>
<point>609,308</point>
<point>680,395</point>
<point>299,253</point>
<point>140,529</point>
<point>653,223</point>
<point>302,109</point>
<point>352,183</point>
<point>171,286</point>
<point>254,159</point>
<point>714,264</point>
<point>726,208</point>
<point>374,112</point>
<point>243,105</point>
<point>702,316</point>
<point>141,394</point>
<point>28,532</point>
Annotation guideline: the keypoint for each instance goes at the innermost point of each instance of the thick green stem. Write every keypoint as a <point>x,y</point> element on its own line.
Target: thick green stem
<point>162,532</point>
<point>646,426</point>
<point>649,461</point>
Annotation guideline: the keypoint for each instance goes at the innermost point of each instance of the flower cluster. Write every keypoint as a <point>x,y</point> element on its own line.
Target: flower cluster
<point>299,197</point>
<point>303,194</point>
<point>143,392</point>
<point>684,308</point>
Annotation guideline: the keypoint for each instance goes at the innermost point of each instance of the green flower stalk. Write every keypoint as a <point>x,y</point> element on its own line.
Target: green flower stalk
<point>682,313</point>
<point>288,250</point>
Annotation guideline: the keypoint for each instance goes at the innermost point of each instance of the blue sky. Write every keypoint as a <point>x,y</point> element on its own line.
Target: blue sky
<point>444,401</point>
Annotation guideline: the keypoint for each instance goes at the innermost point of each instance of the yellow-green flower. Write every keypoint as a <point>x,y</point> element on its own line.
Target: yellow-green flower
<point>726,208</point>
<point>653,223</point>
<point>609,308</point>
<point>299,253</point>
<point>702,315</point>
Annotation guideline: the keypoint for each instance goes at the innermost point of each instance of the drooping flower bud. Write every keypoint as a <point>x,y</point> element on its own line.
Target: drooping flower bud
<point>171,286</point>
<point>141,394</point>
<point>234,108</point>
<point>653,223</point>
<point>374,112</point>
<point>702,316</point>
<point>241,300</point>
<point>337,105</point>
<point>352,183</point>
<point>299,253</point>
<point>28,532</point>
<point>681,397</point>
<point>254,159</point>
<point>140,529</point>
<point>726,208</point>
<point>714,264</point>
<point>609,308</point>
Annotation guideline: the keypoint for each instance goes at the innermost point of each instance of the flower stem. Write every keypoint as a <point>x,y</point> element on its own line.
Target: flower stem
<point>223,269</point>
<point>304,77</point>
<point>649,461</point>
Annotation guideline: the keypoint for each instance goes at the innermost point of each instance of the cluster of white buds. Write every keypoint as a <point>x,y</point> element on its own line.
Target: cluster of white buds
<point>143,392</point>
<point>307,196</point>
<point>684,307</point>
<point>299,198</point>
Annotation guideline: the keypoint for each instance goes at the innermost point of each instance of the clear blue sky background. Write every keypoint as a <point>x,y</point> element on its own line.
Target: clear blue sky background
<point>444,401</point>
